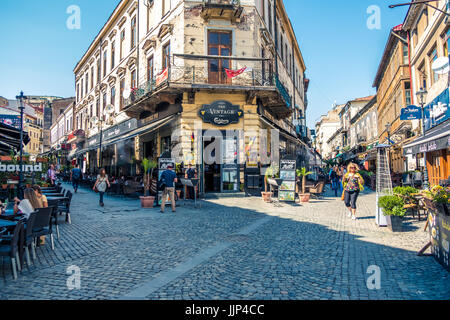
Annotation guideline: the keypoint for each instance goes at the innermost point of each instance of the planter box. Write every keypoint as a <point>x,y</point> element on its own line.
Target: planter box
<point>439,228</point>
<point>395,223</point>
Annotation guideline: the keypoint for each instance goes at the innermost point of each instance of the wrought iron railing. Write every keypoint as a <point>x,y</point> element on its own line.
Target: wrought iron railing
<point>198,73</point>
<point>222,2</point>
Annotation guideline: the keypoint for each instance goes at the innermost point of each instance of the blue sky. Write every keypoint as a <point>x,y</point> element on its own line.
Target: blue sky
<point>341,54</point>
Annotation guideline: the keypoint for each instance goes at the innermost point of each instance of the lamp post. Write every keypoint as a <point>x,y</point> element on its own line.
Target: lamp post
<point>98,121</point>
<point>21,97</point>
<point>422,95</point>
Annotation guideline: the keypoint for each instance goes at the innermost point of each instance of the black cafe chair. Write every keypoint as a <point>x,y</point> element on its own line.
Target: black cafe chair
<point>29,238</point>
<point>42,225</point>
<point>11,249</point>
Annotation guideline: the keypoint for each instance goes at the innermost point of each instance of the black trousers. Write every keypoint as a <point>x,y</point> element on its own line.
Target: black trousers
<point>350,198</point>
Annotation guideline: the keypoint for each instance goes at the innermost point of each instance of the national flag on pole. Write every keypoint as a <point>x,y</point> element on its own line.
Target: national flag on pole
<point>233,73</point>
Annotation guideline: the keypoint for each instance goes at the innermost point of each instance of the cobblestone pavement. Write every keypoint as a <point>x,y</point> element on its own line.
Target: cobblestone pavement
<point>231,248</point>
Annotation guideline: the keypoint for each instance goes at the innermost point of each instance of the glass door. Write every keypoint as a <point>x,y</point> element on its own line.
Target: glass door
<point>230,167</point>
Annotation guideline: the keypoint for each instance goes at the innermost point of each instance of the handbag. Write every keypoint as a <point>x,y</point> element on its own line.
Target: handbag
<point>343,195</point>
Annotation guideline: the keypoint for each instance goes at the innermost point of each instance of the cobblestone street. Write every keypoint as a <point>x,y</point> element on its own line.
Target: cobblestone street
<point>231,248</point>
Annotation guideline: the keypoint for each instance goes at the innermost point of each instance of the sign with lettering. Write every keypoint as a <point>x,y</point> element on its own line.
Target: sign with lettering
<point>411,113</point>
<point>287,174</point>
<point>221,113</point>
<point>437,111</point>
<point>439,226</point>
<point>10,120</point>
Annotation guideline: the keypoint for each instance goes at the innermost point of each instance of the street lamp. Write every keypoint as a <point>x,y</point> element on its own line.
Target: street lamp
<point>388,130</point>
<point>422,96</point>
<point>98,121</point>
<point>21,97</point>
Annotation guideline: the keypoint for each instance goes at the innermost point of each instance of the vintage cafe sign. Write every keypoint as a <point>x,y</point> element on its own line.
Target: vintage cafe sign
<point>16,168</point>
<point>221,113</point>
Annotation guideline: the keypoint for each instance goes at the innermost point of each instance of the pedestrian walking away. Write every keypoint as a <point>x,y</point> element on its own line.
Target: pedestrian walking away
<point>101,185</point>
<point>168,179</point>
<point>190,174</point>
<point>75,177</point>
<point>334,178</point>
<point>353,185</point>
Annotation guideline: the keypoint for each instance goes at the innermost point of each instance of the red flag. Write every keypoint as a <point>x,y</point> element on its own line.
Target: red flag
<point>233,74</point>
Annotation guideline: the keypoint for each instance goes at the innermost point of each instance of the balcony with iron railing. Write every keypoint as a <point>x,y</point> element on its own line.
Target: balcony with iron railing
<point>192,73</point>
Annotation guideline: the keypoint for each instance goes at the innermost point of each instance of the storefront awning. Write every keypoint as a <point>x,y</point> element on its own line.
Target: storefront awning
<point>144,129</point>
<point>436,139</point>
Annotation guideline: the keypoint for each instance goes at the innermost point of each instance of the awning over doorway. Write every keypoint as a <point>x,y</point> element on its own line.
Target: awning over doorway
<point>436,139</point>
<point>10,138</point>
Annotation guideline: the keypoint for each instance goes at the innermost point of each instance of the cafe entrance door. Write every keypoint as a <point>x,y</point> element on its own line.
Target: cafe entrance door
<point>220,176</point>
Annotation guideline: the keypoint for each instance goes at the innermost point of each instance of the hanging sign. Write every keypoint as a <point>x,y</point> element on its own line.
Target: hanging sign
<point>221,113</point>
<point>411,113</point>
<point>287,174</point>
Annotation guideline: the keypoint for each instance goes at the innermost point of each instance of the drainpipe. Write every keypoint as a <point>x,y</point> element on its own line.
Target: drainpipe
<point>276,36</point>
<point>410,69</point>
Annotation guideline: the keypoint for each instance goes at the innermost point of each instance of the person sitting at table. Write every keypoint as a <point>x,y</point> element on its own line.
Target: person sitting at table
<point>28,204</point>
<point>42,197</point>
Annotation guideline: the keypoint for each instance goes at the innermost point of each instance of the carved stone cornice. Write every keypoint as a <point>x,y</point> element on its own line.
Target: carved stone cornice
<point>104,44</point>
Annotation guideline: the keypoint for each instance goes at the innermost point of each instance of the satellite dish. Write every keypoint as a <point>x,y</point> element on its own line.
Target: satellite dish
<point>109,109</point>
<point>126,93</point>
<point>441,65</point>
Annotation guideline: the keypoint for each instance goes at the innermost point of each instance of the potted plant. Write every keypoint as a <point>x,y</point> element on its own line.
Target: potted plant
<point>270,172</point>
<point>148,165</point>
<point>440,197</point>
<point>302,173</point>
<point>393,209</point>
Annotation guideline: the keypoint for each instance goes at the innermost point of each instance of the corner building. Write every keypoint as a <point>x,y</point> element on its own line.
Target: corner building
<point>226,65</point>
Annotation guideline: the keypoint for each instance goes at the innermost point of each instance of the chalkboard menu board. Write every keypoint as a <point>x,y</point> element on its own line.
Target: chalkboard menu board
<point>286,191</point>
<point>439,226</point>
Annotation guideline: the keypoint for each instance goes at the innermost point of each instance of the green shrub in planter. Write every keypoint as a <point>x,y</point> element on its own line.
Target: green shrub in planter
<point>405,191</point>
<point>392,206</point>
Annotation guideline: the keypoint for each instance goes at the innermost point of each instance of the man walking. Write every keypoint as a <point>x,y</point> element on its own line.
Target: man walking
<point>75,177</point>
<point>168,178</point>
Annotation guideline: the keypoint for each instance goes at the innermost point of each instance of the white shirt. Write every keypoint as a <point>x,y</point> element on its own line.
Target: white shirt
<point>25,207</point>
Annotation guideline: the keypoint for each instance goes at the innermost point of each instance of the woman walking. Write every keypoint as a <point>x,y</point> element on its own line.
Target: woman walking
<point>101,184</point>
<point>353,185</point>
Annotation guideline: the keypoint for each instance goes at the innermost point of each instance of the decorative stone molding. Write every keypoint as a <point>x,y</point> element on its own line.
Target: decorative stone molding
<point>104,44</point>
<point>149,44</point>
<point>112,34</point>
<point>121,71</point>
<point>164,30</point>
<point>132,8</point>
<point>111,80</point>
<point>103,87</point>
<point>131,63</point>
<point>122,21</point>
<point>90,98</point>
